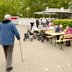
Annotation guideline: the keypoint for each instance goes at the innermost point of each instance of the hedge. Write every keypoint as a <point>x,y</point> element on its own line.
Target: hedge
<point>64,22</point>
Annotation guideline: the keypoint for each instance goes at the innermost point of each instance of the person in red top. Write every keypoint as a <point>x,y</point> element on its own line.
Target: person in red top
<point>68,31</point>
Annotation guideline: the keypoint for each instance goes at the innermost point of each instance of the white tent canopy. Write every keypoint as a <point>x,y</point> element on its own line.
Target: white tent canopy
<point>43,12</point>
<point>54,11</point>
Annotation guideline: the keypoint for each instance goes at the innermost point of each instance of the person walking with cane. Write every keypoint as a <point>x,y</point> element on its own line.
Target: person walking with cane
<point>7,32</point>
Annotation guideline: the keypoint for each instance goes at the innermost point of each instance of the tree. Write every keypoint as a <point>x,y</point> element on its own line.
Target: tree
<point>19,7</point>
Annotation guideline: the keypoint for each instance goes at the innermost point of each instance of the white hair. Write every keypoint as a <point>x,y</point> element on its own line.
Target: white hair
<point>61,25</point>
<point>7,16</point>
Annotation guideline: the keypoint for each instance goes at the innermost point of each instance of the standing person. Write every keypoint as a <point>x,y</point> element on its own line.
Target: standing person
<point>37,23</point>
<point>32,24</point>
<point>7,32</point>
<point>47,22</point>
<point>44,22</point>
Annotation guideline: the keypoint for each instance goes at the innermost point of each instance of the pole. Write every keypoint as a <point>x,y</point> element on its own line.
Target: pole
<point>21,50</point>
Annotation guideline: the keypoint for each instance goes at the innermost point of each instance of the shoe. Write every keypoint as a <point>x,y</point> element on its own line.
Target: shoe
<point>9,69</point>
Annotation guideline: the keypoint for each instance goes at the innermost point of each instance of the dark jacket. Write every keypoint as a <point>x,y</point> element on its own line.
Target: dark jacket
<point>57,29</point>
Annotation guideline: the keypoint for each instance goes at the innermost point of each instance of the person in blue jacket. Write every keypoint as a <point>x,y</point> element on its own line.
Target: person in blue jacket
<point>7,32</point>
<point>59,29</point>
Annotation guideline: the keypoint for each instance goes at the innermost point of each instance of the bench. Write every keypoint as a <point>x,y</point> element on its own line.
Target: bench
<point>63,38</point>
<point>49,37</point>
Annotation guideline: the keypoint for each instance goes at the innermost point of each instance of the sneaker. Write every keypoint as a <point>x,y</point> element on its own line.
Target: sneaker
<point>9,68</point>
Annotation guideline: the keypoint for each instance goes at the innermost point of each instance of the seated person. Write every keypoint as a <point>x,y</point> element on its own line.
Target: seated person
<point>55,26</point>
<point>34,28</point>
<point>32,32</point>
<point>51,26</point>
<point>68,31</point>
<point>59,29</point>
<point>29,32</point>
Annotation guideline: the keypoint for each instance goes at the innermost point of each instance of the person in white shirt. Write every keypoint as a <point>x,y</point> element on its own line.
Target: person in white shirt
<point>51,27</point>
<point>44,22</point>
<point>34,28</point>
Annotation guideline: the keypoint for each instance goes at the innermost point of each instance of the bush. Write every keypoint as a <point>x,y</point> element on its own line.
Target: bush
<point>64,22</point>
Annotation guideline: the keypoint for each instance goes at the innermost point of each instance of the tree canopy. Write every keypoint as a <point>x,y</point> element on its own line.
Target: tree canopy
<point>25,8</point>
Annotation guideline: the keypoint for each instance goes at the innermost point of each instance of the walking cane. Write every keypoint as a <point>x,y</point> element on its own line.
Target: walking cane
<point>21,50</point>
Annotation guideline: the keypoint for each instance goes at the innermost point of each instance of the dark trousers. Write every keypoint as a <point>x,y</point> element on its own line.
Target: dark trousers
<point>8,51</point>
<point>37,25</point>
<point>58,37</point>
<point>68,43</point>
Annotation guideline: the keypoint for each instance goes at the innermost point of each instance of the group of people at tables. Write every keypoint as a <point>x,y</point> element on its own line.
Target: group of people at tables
<point>35,28</point>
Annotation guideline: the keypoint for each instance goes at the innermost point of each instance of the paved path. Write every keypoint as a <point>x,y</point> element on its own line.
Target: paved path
<point>38,56</point>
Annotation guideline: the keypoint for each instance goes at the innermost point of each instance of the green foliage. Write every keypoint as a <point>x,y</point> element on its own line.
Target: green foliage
<point>64,22</point>
<point>19,7</point>
<point>70,4</point>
